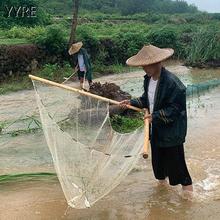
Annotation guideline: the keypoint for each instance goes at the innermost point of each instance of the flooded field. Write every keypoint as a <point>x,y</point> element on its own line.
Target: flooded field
<point>36,192</point>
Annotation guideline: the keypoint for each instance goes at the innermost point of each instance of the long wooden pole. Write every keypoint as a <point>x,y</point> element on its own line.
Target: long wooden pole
<point>66,79</point>
<point>81,92</point>
<point>74,22</point>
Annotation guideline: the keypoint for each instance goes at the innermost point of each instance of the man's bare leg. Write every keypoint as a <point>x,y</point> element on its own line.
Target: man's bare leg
<point>187,192</point>
<point>188,188</point>
<point>162,182</point>
<point>81,83</point>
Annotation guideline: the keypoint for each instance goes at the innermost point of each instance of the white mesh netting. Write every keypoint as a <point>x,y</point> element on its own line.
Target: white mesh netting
<point>90,158</point>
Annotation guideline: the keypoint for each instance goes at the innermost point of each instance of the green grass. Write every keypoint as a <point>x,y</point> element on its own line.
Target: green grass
<point>2,33</point>
<point>125,38</point>
<point>49,71</point>
<point>125,124</point>
<point>204,47</point>
<point>57,73</point>
<point>20,35</point>
<point>31,125</point>
<point>15,85</point>
<point>106,29</point>
<point>26,177</point>
<point>10,41</point>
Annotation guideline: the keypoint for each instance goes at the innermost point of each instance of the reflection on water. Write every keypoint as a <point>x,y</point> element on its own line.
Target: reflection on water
<point>138,196</point>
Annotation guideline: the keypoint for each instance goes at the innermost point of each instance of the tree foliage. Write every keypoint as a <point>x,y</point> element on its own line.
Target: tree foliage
<point>53,39</point>
<point>124,7</point>
<point>127,7</point>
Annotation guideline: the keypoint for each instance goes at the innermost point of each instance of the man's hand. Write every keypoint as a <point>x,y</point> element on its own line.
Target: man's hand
<point>124,104</point>
<point>148,117</point>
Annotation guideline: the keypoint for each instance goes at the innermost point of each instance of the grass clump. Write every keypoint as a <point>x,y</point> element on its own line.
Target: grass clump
<point>15,85</point>
<point>205,46</point>
<point>125,124</point>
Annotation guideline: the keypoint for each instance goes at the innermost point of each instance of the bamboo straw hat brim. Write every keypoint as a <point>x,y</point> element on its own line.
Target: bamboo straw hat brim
<point>149,55</point>
<point>75,48</point>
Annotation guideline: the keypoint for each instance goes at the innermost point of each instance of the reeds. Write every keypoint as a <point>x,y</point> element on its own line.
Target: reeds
<point>205,47</point>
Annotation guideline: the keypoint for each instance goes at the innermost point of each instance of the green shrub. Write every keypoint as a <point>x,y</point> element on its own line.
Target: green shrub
<point>90,41</point>
<point>24,32</point>
<point>128,44</point>
<point>55,71</point>
<point>164,37</point>
<point>54,39</point>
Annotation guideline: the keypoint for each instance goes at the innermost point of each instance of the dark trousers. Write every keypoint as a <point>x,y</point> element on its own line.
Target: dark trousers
<point>170,162</point>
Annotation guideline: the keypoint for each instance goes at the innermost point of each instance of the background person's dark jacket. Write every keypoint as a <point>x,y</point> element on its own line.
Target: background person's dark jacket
<point>169,124</point>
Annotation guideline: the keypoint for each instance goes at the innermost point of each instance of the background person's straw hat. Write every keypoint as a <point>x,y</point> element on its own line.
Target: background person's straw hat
<point>75,48</point>
<point>149,55</point>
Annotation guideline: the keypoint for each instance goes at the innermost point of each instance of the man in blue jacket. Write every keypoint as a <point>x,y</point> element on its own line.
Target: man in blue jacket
<point>165,98</point>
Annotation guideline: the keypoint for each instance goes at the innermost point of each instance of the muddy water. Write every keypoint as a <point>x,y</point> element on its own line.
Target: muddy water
<point>138,196</point>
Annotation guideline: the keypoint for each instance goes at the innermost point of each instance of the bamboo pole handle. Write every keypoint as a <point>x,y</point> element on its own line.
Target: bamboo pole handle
<point>69,77</point>
<point>81,92</point>
<point>146,137</point>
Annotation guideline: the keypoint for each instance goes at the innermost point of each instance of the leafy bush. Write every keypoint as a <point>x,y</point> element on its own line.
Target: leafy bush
<point>128,44</point>
<point>17,59</point>
<point>164,37</point>
<point>110,43</point>
<point>24,32</point>
<point>55,71</point>
<point>89,38</point>
<point>54,39</point>
<point>167,37</point>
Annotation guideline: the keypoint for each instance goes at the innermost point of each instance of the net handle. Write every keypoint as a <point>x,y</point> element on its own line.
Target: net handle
<point>46,81</point>
<point>146,136</point>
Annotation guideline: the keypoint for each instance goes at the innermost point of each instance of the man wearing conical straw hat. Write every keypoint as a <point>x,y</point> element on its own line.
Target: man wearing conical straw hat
<point>83,67</point>
<point>165,98</point>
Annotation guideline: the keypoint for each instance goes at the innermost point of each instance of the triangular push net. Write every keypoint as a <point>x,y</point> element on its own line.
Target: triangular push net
<point>90,158</point>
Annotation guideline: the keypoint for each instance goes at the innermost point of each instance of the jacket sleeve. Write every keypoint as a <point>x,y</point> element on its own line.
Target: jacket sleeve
<point>141,102</point>
<point>88,65</point>
<point>173,108</point>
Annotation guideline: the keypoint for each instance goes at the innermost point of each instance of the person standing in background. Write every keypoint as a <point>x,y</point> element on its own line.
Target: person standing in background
<point>83,67</point>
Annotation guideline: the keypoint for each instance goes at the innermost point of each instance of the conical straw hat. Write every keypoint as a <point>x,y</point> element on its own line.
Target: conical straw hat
<point>149,55</point>
<point>75,48</point>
